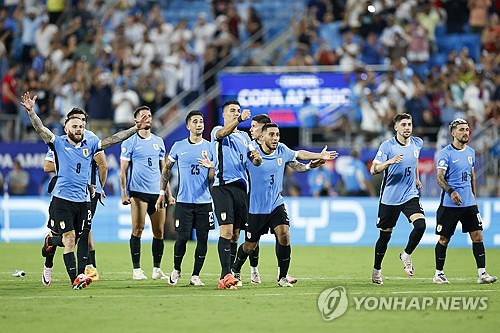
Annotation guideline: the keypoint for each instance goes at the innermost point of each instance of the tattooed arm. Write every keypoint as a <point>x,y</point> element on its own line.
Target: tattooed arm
<point>125,134</point>
<point>455,197</point>
<point>165,186</point>
<point>299,167</point>
<point>29,104</point>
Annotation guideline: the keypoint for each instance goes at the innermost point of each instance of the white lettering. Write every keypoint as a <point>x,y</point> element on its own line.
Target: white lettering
<point>358,301</point>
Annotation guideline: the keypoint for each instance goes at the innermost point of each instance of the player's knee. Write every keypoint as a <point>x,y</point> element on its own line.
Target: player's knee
<point>235,237</point>
<point>249,247</point>
<point>137,231</point>
<point>202,236</point>
<point>284,238</point>
<point>385,236</point>
<point>443,240</point>
<point>158,233</point>
<point>419,225</point>
<point>69,240</point>
<point>183,236</point>
<point>476,236</point>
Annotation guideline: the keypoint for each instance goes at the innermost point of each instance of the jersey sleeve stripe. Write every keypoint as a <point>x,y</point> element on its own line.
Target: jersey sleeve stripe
<point>124,158</point>
<point>171,159</point>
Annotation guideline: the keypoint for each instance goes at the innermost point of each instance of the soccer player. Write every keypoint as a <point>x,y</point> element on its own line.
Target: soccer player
<point>267,209</point>
<point>73,156</point>
<point>398,159</point>
<point>455,175</point>
<point>194,203</point>
<point>100,168</point>
<point>141,161</point>
<point>231,148</point>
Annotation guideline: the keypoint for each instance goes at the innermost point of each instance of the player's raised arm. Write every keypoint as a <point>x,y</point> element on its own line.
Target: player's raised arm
<point>29,103</point>
<point>231,125</point>
<point>324,155</point>
<point>125,134</point>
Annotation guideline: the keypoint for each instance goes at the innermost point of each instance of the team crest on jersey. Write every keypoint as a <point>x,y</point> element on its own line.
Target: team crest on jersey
<point>245,142</point>
<point>249,234</point>
<point>124,150</point>
<point>439,228</point>
<point>223,216</point>
<point>52,222</point>
<point>85,152</point>
<point>470,160</point>
<point>280,161</point>
<point>62,224</point>
<point>177,223</point>
<point>155,146</point>
<point>415,153</point>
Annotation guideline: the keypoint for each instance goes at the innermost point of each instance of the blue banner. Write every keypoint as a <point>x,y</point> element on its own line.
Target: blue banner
<point>281,96</point>
<point>313,221</point>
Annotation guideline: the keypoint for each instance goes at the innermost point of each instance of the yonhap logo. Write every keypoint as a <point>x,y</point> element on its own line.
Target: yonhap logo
<point>332,303</point>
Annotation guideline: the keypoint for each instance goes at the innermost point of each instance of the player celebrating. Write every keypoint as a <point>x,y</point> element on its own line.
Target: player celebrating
<point>267,209</point>
<point>231,148</point>
<point>141,161</point>
<point>398,158</point>
<point>455,175</point>
<point>100,167</point>
<point>73,156</point>
<point>194,203</point>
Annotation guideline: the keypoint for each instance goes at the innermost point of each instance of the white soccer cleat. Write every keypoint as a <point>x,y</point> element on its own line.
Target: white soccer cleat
<point>440,278</point>
<point>291,279</point>
<point>237,276</point>
<point>47,276</point>
<point>377,276</point>
<point>283,282</point>
<point>138,274</point>
<point>196,281</point>
<point>407,264</point>
<point>255,277</point>
<point>173,278</point>
<point>486,278</point>
<point>158,274</point>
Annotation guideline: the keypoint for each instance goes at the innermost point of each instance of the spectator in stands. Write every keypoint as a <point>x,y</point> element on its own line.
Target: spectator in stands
<point>490,38</point>
<point>291,187</point>
<point>308,114</point>
<point>10,101</point>
<point>30,24</point>
<point>210,61</point>
<point>404,10</point>
<point>203,33</point>
<point>69,96</point>
<point>99,105</point>
<point>372,52</point>
<point>134,28</point>
<point>476,96</point>
<point>55,8</point>
<point>416,106</point>
<point>160,36</point>
<point>429,18</point>
<point>125,101</point>
<point>233,21</point>
<point>348,52</point>
<point>388,36</point>
<point>353,10</point>
<point>44,35</point>
<point>322,180</point>
<point>223,39</point>
<point>393,89</point>
<point>372,116</point>
<point>321,6</point>
<point>181,36</point>
<point>356,180</point>
<point>305,36</point>
<point>371,21</point>
<point>18,179</point>
<point>478,16</point>
<point>301,58</point>
<point>330,31</point>
<point>457,14</point>
<point>418,48</point>
<point>325,56</point>
<point>191,70</point>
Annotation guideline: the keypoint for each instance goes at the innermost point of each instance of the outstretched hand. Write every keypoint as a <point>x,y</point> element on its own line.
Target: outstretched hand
<point>27,101</point>
<point>328,155</point>
<point>143,121</point>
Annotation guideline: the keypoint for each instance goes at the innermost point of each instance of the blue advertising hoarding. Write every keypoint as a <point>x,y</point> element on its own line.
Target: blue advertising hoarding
<point>281,96</point>
<point>313,221</point>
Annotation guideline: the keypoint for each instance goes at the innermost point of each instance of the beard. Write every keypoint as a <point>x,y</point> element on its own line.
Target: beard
<point>75,137</point>
<point>464,140</point>
<point>269,145</point>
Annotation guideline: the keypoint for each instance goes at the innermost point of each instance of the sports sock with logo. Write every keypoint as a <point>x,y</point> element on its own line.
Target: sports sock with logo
<point>440,253</point>
<point>180,248</point>
<point>254,257</point>
<point>82,252</point>
<point>224,248</point>
<point>380,248</point>
<point>135,251</point>
<point>70,263</point>
<point>479,254</point>
<point>201,250</point>
<point>241,257</point>
<point>283,255</point>
<point>415,235</point>
<point>157,250</point>
<point>234,248</point>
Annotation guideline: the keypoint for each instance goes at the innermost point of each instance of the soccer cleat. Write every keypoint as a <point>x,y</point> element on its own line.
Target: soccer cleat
<point>92,273</point>
<point>158,274</point>
<point>408,266</point>
<point>486,278</point>
<point>237,276</point>
<point>255,277</point>
<point>81,281</point>
<point>47,276</point>
<point>291,279</point>
<point>377,276</point>
<point>283,282</point>
<point>196,281</point>
<point>46,248</point>
<point>441,279</point>
<point>173,278</point>
<point>138,274</point>
<point>228,282</point>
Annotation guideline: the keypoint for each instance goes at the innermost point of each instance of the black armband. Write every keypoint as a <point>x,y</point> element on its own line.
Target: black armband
<point>450,191</point>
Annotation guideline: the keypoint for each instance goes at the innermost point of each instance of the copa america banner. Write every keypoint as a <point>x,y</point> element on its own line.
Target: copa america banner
<point>313,221</point>
<point>281,96</point>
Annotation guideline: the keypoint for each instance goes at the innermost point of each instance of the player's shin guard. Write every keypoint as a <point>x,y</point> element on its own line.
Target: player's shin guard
<point>180,248</point>
<point>201,250</point>
<point>135,251</point>
<point>224,248</point>
<point>234,249</point>
<point>157,250</point>
<point>254,257</point>
<point>380,248</point>
<point>241,257</point>
<point>70,263</point>
<point>83,251</point>
<point>415,235</point>
<point>440,253</point>
<point>479,254</point>
<point>92,258</point>
<point>283,255</point>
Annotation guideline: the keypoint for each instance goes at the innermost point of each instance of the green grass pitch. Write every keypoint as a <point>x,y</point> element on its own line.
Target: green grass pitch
<point>118,304</point>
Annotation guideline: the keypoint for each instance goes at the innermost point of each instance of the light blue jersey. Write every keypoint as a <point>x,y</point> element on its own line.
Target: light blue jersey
<point>144,155</point>
<point>193,178</point>
<point>458,165</point>
<point>230,155</point>
<point>73,166</point>
<point>399,184</point>
<point>94,174</point>
<point>266,180</point>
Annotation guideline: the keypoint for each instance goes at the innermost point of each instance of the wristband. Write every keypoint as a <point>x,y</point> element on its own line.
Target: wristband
<point>450,191</point>
<point>162,192</point>
<point>308,166</point>
<point>240,120</point>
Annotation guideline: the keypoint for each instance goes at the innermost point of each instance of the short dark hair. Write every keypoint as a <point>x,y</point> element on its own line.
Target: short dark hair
<point>456,122</point>
<point>270,125</point>
<point>229,103</point>
<point>75,111</point>
<point>69,118</point>
<point>401,116</point>
<point>193,113</point>
<point>262,119</point>
<point>140,108</point>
